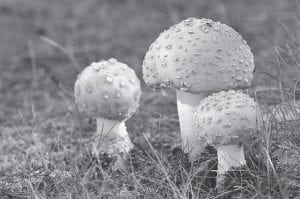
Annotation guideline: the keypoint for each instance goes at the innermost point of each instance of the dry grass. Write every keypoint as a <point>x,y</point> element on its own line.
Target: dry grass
<point>43,153</point>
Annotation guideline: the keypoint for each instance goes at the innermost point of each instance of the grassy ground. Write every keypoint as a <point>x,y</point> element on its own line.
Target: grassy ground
<point>44,152</point>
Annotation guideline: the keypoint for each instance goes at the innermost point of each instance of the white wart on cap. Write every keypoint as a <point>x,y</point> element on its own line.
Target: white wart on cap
<point>108,89</point>
<point>199,55</point>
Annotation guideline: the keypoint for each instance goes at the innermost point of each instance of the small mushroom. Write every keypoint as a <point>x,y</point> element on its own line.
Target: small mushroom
<point>197,57</point>
<point>109,91</point>
<point>227,120</point>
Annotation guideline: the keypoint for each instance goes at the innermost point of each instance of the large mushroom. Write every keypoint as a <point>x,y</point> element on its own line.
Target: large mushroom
<point>109,91</point>
<point>227,120</point>
<point>197,57</point>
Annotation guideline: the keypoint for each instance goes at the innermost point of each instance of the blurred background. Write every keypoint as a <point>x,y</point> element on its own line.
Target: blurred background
<point>44,44</point>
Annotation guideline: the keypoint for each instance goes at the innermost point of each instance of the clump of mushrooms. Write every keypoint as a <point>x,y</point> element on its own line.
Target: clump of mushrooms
<point>197,57</point>
<point>225,120</point>
<point>109,91</point>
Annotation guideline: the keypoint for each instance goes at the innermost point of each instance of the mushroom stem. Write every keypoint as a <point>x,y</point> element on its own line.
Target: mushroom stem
<point>186,103</point>
<point>112,136</point>
<point>228,156</point>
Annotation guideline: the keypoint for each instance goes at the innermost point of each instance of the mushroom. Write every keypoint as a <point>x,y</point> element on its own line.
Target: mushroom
<point>109,91</point>
<point>227,120</point>
<point>197,57</point>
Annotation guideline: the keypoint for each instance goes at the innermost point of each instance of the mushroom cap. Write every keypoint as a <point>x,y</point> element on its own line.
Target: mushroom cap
<point>108,89</point>
<point>227,118</point>
<point>199,55</point>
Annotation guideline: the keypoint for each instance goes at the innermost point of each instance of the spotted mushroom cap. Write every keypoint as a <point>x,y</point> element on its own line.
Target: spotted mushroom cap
<point>108,89</point>
<point>199,55</point>
<point>227,118</point>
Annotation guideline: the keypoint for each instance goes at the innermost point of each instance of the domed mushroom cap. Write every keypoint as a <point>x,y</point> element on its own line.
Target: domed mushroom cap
<point>108,89</point>
<point>227,118</point>
<point>199,55</point>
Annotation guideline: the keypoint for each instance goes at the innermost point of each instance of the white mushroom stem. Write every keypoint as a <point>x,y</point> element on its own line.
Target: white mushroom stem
<point>112,136</point>
<point>186,103</point>
<point>228,156</point>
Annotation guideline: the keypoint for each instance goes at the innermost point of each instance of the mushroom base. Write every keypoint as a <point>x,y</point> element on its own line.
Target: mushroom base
<point>228,156</point>
<point>112,137</point>
<point>186,104</point>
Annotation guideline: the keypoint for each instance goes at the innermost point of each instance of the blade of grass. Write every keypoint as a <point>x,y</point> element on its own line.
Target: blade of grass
<point>64,50</point>
<point>175,190</point>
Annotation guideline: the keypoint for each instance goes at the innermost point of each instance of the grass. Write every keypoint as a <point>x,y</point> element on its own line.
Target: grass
<point>43,152</point>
